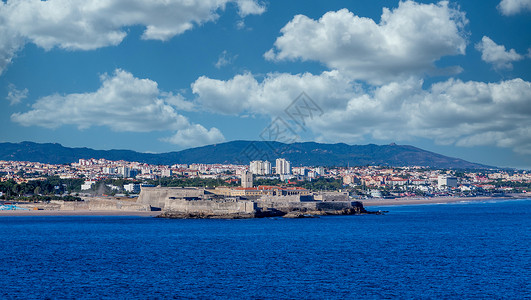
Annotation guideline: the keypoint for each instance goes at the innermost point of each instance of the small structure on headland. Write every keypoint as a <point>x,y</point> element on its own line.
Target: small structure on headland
<point>223,202</point>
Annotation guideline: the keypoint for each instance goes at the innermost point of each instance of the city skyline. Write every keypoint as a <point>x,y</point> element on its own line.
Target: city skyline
<point>449,77</point>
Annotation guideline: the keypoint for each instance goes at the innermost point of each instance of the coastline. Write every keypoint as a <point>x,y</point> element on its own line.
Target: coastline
<point>434,200</point>
<point>366,203</point>
<point>43,213</point>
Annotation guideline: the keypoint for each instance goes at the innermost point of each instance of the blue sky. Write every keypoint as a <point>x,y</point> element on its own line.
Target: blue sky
<point>450,77</point>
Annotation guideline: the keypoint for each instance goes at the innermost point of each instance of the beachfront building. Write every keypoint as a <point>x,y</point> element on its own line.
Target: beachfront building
<point>445,182</point>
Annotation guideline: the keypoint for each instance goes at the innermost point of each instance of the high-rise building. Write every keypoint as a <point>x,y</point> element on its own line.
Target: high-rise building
<point>247,179</point>
<point>124,171</point>
<point>282,166</point>
<point>320,171</point>
<point>445,182</point>
<point>259,167</point>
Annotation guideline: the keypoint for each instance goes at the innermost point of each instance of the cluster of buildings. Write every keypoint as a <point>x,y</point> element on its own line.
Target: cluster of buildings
<point>371,179</point>
<point>284,170</point>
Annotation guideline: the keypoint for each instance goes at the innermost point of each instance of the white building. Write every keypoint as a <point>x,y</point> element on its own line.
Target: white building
<point>444,181</point>
<point>109,170</point>
<point>259,167</point>
<point>320,171</point>
<point>247,179</point>
<point>124,171</point>
<point>87,185</point>
<point>282,166</point>
<point>132,188</point>
<point>166,173</point>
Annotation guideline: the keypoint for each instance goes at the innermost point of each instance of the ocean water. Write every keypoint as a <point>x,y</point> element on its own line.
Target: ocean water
<point>452,251</point>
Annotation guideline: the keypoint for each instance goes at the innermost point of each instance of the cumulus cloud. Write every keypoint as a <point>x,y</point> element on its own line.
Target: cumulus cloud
<point>243,93</point>
<point>87,25</point>
<point>196,135</point>
<point>248,7</point>
<point>451,112</point>
<point>15,96</point>
<point>122,103</point>
<point>496,55</point>
<point>407,40</point>
<point>513,7</point>
<point>10,41</point>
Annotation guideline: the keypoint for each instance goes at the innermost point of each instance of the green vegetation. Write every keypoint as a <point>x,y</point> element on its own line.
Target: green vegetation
<point>190,182</point>
<point>512,184</point>
<point>51,186</point>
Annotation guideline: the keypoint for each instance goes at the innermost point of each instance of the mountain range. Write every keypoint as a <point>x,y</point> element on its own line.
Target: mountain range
<point>242,152</point>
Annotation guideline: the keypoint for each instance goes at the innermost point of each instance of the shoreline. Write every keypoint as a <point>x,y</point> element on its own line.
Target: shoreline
<point>366,203</point>
<point>95,213</point>
<point>434,200</point>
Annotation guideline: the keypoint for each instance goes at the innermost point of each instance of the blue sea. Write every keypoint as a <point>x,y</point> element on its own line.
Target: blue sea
<point>451,251</point>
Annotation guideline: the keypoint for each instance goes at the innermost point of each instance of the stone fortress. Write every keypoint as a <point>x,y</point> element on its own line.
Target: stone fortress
<point>263,201</point>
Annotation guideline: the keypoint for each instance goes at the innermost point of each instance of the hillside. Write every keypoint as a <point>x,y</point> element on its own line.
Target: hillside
<point>241,152</point>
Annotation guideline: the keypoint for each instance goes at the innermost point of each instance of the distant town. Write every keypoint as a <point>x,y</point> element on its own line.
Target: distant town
<point>101,177</point>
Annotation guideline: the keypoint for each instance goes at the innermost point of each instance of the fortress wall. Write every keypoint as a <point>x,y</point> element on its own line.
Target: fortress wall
<point>332,196</point>
<point>157,196</point>
<point>335,205</point>
<point>103,204</point>
<point>67,205</point>
<point>152,196</point>
<point>307,206</point>
<point>288,206</point>
<point>210,206</point>
<point>285,199</point>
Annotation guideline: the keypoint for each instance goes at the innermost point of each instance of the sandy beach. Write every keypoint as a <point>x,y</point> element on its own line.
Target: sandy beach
<point>10,213</point>
<point>434,200</point>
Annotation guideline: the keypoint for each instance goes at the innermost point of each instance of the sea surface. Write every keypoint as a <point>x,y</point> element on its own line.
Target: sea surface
<point>451,251</point>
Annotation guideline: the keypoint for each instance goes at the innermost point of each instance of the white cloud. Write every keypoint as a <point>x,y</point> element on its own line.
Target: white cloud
<point>451,112</point>
<point>15,96</point>
<point>10,41</point>
<point>225,59</point>
<point>243,93</point>
<point>196,135</point>
<point>87,25</point>
<point>407,41</point>
<point>513,7</point>
<point>122,103</point>
<point>248,7</point>
<point>496,55</point>
<point>240,24</point>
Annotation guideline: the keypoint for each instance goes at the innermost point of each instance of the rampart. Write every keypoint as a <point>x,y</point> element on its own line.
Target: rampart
<point>101,204</point>
<point>210,207</point>
<point>157,196</point>
<point>332,196</point>
<point>285,199</point>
